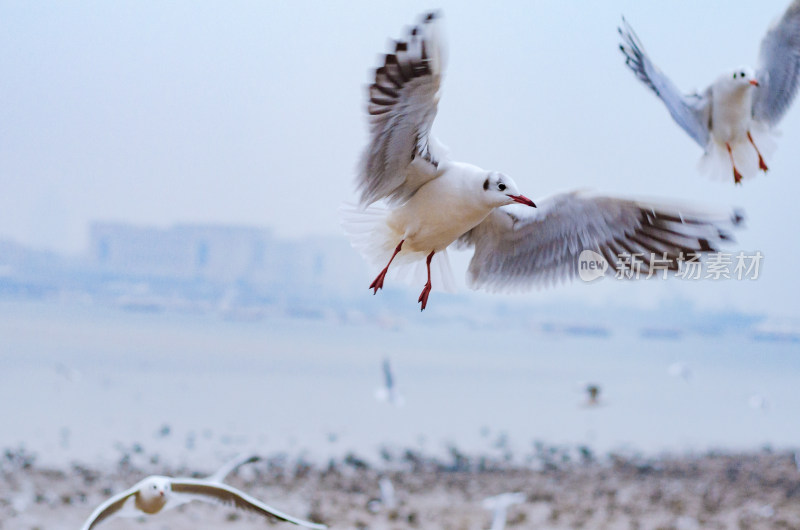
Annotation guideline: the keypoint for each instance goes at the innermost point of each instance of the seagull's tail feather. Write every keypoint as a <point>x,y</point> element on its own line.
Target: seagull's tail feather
<point>716,163</point>
<point>372,237</point>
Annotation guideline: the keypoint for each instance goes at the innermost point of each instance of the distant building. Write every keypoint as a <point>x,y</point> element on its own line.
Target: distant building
<point>226,255</point>
<point>183,252</point>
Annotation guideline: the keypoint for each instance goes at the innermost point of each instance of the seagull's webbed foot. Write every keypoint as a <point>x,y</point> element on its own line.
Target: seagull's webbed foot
<point>377,283</point>
<point>737,177</point>
<point>761,164</point>
<point>423,297</point>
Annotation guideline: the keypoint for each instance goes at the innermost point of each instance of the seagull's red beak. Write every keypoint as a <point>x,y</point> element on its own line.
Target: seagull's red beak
<point>754,82</point>
<point>523,200</point>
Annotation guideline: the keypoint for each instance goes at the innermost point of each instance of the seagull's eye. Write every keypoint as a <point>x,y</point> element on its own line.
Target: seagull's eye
<point>501,186</point>
<point>742,74</point>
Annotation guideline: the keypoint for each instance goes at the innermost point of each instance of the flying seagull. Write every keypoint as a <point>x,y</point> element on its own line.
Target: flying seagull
<point>431,202</point>
<point>592,394</point>
<point>741,104</point>
<point>157,493</point>
<point>388,392</point>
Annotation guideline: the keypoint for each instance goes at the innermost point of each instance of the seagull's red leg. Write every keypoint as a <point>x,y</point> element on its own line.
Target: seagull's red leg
<point>423,298</point>
<point>761,165</point>
<point>737,177</point>
<point>377,283</point>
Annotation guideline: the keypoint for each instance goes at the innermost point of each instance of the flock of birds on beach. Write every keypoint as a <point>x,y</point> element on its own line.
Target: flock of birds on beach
<point>156,494</point>
<point>431,203</point>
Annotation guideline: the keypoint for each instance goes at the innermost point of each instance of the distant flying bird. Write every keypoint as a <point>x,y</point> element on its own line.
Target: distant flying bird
<point>388,392</point>
<point>432,202</point>
<point>592,395</point>
<point>157,493</point>
<point>741,104</point>
<point>499,506</point>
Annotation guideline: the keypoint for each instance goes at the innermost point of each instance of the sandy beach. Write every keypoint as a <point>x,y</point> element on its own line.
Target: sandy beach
<point>562,489</point>
<point>90,415</point>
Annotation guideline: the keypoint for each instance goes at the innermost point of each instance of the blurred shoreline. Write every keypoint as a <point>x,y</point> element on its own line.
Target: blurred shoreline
<point>562,489</point>
<point>191,386</point>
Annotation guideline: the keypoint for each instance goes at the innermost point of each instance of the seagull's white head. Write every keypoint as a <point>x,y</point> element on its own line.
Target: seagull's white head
<point>500,190</point>
<point>153,494</point>
<point>742,77</point>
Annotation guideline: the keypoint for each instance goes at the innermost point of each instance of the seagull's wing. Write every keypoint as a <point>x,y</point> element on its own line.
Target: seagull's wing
<point>224,494</point>
<point>109,508</point>
<point>692,112</point>
<point>231,466</point>
<point>779,67</point>
<point>402,107</point>
<point>519,248</point>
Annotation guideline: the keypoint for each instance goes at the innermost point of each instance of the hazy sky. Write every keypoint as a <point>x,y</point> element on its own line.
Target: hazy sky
<point>253,113</point>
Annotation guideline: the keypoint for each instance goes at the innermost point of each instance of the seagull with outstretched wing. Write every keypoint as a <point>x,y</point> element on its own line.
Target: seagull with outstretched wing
<point>157,493</point>
<point>741,104</point>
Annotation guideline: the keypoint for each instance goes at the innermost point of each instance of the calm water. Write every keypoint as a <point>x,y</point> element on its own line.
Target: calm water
<point>76,381</point>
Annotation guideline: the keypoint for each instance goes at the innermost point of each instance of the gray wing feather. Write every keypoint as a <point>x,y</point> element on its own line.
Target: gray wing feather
<point>109,508</point>
<point>224,494</point>
<point>231,466</point>
<point>692,112</point>
<point>779,67</point>
<point>402,106</point>
<point>514,250</point>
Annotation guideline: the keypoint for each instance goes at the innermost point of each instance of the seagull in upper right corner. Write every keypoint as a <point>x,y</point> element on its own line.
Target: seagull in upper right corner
<point>740,105</point>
